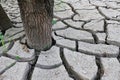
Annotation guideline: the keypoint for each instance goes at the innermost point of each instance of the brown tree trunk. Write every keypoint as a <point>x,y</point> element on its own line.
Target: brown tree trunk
<point>37,20</point>
<point>5,22</point>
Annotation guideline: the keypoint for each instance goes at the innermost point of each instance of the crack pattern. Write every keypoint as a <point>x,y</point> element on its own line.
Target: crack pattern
<point>88,33</point>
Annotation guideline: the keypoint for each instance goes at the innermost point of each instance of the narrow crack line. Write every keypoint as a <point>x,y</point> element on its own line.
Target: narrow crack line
<point>96,54</point>
<point>15,22</point>
<point>48,66</point>
<point>106,32</point>
<point>85,9</point>
<point>57,3</point>
<point>72,8</point>
<point>90,2</point>
<point>84,25</point>
<point>19,59</point>
<point>80,20</point>
<point>67,67</point>
<point>62,10</point>
<point>100,71</point>
<point>7,41</point>
<point>96,39</point>
<point>33,63</point>
<point>53,41</point>
<point>61,19</point>
<point>106,5</point>
<point>106,17</point>
<point>16,33</point>
<point>105,26</point>
<point>73,49</point>
<point>88,21</point>
<point>5,48</point>
<point>102,13</point>
<point>8,67</point>
<point>71,25</point>
<point>109,7</point>
<point>77,20</point>
<point>60,28</point>
<point>119,55</point>
<point>23,41</point>
<point>76,43</point>
<point>106,38</point>
<point>74,39</point>
<point>72,17</point>
<point>10,45</point>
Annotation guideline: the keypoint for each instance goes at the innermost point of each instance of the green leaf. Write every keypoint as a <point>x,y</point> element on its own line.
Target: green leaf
<point>17,57</point>
<point>54,22</point>
<point>1,36</point>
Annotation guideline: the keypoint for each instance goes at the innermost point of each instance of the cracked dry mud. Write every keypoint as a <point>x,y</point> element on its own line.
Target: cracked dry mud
<point>87,35</point>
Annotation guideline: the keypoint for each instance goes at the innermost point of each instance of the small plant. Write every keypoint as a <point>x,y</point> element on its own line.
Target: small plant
<point>3,42</point>
<point>17,57</point>
<point>54,21</point>
<point>2,39</point>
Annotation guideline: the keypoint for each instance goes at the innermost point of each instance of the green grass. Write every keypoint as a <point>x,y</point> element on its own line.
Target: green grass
<point>3,42</point>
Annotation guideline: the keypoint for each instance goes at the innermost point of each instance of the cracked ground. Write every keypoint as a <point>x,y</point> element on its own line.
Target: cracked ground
<point>87,35</point>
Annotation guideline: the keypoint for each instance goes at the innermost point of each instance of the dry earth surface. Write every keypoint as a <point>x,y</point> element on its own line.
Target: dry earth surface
<point>87,35</point>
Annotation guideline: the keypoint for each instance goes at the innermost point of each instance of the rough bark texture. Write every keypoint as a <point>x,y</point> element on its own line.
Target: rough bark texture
<point>37,17</point>
<point>5,22</point>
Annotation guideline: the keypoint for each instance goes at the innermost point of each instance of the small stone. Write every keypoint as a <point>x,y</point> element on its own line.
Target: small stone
<point>19,50</point>
<point>58,26</point>
<point>87,15</point>
<point>95,25</point>
<point>81,64</point>
<point>53,74</point>
<point>99,49</point>
<point>50,57</point>
<point>17,72</point>
<point>5,63</point>
<point>74,24</point>
<point>76,34</point>
<point>111,69</point>
<point>113,34</point>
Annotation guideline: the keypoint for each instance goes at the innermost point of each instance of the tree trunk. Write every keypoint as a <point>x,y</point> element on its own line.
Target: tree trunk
<point>5,22</point>
<point>37,20</point>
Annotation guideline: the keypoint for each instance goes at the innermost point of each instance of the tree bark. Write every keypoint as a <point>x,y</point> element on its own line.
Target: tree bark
<point>5,22</point>
<point>37,20</point>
